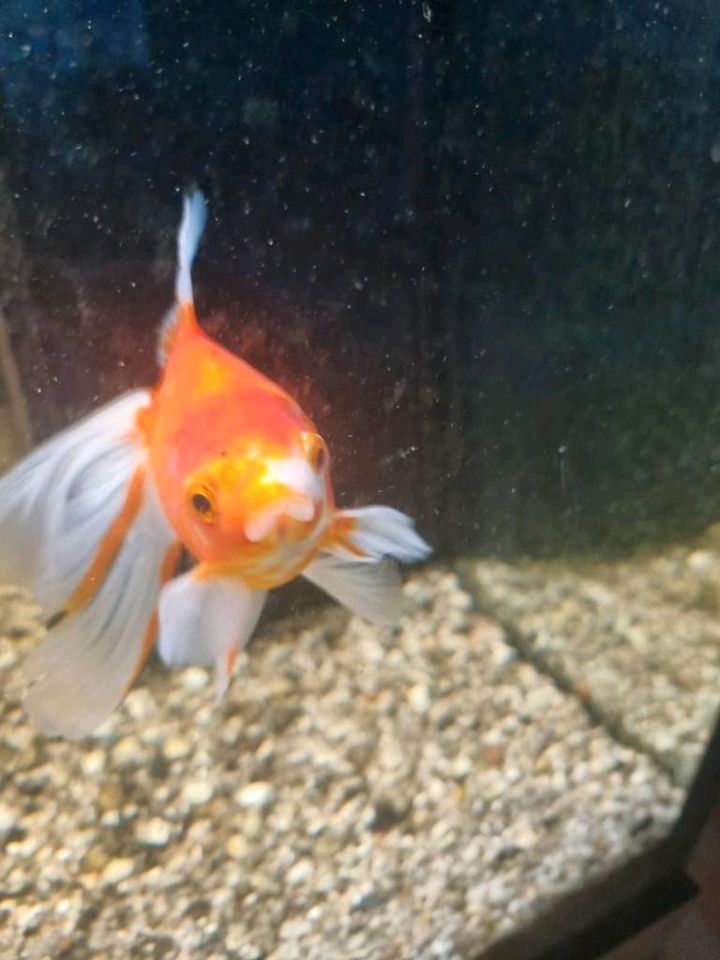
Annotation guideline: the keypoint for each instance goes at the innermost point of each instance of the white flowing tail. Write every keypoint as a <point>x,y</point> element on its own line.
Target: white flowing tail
<point>81,527</point>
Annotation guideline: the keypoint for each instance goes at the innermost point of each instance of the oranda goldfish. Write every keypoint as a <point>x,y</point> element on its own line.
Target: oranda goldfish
<point>217,459</point>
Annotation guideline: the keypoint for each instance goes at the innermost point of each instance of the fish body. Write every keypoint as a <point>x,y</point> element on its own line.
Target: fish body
<point>217,459</point>
<point>218,429</point>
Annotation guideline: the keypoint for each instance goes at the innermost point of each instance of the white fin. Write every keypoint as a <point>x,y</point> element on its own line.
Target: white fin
<point>206,621</point>
<point>190,233</point>
<point>369,585</point>
<point>165,334</point>
<point>57,504</point>
<point>383,532</point>
<point>81,671</point>
<point>370,590</point>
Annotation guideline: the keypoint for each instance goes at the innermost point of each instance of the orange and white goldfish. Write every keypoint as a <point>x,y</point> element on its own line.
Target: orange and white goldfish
<point>217,459</point>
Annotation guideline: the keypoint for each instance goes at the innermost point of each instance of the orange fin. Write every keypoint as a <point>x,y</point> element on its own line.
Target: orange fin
<point>178,320</point>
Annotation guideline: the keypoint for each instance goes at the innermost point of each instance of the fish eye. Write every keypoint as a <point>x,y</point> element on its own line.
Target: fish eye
<point>315,451</point>
<point>202,503</point>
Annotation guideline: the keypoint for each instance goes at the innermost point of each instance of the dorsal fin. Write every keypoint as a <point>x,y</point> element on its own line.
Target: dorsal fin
<point>189,234</point>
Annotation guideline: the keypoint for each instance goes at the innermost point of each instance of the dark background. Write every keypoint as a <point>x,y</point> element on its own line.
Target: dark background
<point>479,239</point>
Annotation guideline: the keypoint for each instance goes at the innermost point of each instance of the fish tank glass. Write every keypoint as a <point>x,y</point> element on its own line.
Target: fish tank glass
<point>468,255</point>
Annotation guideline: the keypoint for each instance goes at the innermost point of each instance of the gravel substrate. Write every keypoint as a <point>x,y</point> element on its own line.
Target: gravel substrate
<point>639,640</point>
<point>359,794</point>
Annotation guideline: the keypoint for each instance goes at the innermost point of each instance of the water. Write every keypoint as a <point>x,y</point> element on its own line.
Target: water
<point>478,244</point>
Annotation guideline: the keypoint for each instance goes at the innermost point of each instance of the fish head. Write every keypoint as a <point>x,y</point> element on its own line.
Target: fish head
<point>261,501</point>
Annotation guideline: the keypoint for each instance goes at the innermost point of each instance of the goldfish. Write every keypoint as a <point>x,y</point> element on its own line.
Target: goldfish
<point>216,461</point>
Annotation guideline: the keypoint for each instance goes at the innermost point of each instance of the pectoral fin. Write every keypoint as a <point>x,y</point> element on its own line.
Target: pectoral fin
<point>370,590</point>
<point>370,533</point>
<point>357,562</point>
<point>205,620</point>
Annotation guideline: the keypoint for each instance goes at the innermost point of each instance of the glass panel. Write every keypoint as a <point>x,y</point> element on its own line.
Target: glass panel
<point>477,244</point>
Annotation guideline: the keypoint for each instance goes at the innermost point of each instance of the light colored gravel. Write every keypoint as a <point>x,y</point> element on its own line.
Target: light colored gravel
<point>364,794</point>
<point>639,640</point>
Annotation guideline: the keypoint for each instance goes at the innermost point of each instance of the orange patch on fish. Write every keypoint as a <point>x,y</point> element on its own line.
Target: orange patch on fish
<point>340,535</point>
<point>168,568</point>
<point>109,546</point>
<point>212,378</point>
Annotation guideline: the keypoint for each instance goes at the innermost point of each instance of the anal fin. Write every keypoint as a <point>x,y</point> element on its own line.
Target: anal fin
<point>205,620</point>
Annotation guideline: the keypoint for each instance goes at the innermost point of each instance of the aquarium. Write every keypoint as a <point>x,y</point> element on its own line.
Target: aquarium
<point>469,255</point>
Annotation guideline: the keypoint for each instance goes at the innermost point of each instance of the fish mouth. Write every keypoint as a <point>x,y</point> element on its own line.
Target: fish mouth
<point>266,520</point>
